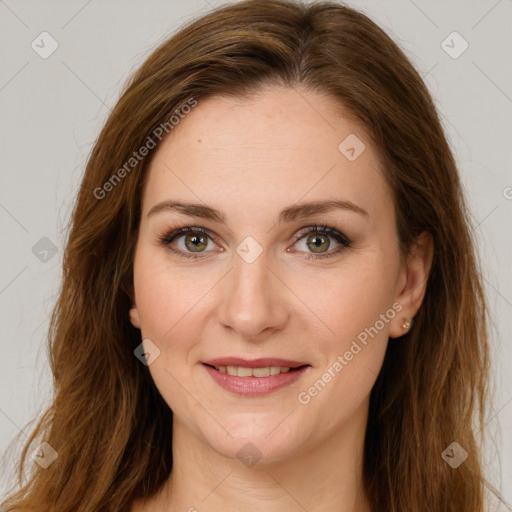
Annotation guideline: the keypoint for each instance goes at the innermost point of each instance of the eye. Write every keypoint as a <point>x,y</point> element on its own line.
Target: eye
<point>193,242</point>
<point>317,240</point>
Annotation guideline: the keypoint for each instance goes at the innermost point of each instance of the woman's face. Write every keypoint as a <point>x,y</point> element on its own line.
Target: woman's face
<point>256,285</point>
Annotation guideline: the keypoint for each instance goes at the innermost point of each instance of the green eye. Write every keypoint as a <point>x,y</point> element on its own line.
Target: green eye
<point>196,239</point>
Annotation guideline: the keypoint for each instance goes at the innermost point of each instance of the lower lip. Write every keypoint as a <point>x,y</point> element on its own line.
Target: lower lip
<point>255,386</point>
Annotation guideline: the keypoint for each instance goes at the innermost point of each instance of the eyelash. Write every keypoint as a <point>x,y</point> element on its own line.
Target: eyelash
<point>167,238</point>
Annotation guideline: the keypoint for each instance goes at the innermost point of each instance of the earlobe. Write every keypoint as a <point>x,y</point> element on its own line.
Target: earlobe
<point>134,317</point>
<point>413,285</point>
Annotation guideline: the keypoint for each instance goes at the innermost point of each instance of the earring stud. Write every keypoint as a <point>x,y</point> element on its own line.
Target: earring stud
<point>407,324</point>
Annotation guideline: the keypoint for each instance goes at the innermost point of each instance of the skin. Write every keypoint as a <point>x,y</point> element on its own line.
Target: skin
<point>250,158</point>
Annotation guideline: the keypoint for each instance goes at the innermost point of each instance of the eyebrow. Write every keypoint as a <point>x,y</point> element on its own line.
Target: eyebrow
<point>289,214</point>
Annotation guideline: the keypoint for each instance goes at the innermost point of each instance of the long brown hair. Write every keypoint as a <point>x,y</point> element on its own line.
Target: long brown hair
<point>108,422</point>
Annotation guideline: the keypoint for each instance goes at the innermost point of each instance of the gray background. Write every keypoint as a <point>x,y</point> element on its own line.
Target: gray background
<point>52,110</point>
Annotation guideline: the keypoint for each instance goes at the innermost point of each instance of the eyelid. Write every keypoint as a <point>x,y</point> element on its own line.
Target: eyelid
<point>168,236</point>
<point>325,229</point>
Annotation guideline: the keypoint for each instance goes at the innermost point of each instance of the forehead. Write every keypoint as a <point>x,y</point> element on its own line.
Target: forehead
<point>268,150</point>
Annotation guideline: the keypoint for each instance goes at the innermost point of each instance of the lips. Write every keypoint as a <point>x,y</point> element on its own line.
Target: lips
<point>254,363</point>
<point>256,376</point>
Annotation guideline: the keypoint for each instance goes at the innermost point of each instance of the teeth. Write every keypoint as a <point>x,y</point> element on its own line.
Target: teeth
<point>260,372</point>
<point>242,371</point>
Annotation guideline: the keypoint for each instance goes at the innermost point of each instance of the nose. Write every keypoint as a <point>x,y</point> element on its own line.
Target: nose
<point>254,300</point>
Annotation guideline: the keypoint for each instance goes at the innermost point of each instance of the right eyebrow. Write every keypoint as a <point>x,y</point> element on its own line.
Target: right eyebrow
<point>289,214</point>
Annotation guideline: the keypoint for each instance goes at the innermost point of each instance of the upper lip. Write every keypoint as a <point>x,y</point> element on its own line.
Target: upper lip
<point>254,363</point>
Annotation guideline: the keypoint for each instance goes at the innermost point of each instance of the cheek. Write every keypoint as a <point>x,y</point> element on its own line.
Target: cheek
<point>167,295</point>
<point>355,309</point>
<point>331,307</point>
<point>348,299</point>
<point>334,304</point>
<point>169,305</point>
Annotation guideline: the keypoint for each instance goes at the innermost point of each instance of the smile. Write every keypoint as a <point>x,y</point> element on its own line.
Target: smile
<point>253,380</point>
<point>243,371</point>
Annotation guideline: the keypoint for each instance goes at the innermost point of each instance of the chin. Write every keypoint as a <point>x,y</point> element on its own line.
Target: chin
<point>262,442</point>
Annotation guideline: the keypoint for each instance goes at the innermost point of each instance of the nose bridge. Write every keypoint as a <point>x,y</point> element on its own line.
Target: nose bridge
<point>251,302</point>
<point>250,278</point>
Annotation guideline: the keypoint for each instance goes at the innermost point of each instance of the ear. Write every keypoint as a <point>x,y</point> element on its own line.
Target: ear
<point>412,283</point>
<point>134,312</point>
<point>134,317</point>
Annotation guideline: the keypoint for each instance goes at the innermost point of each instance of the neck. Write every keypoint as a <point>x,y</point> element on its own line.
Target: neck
<point>326,477</point>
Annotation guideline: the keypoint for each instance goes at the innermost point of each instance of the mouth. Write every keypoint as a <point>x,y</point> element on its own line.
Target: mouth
<point>256,377</point>
<point>264,371</point>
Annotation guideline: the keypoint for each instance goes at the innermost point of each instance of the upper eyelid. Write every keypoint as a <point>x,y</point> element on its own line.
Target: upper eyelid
<point>328,230</point>
<point>301,233</point>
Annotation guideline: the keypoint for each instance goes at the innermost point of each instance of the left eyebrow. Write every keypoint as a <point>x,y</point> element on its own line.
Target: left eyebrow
<point>289,214</point>
<point>302,210</point>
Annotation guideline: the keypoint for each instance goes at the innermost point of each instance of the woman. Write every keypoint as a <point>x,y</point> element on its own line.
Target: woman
<point>271,299</point>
